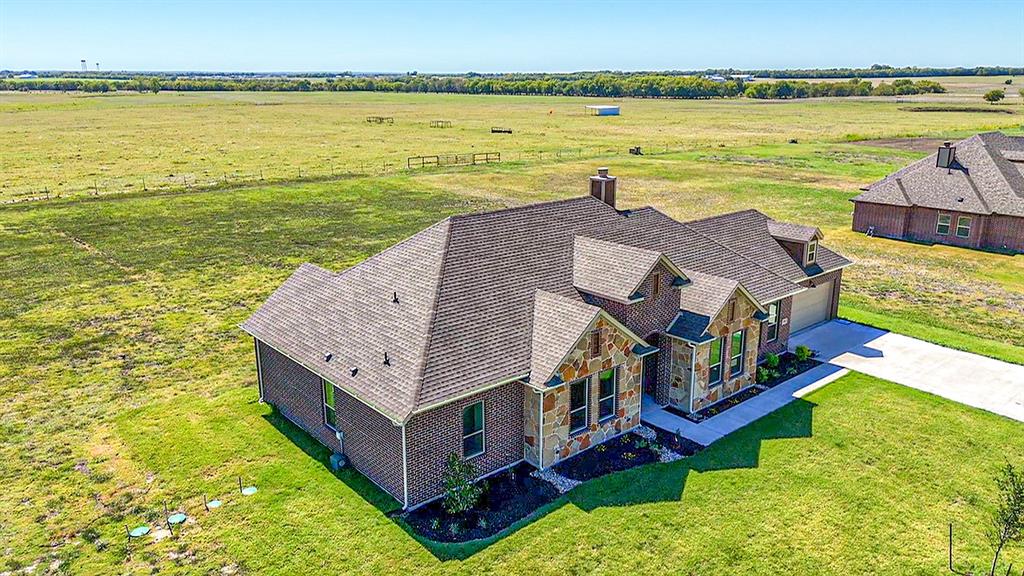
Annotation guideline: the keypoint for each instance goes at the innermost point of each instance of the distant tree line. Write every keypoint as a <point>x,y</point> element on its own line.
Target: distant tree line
<point>599,85</point>
<point>877,71</point>
<point>856,87</point>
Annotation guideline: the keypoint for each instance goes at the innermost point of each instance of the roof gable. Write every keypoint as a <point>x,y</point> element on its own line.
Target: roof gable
<point>612,270</point>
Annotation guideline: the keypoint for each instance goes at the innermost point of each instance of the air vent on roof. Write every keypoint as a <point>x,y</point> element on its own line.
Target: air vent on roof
<point>947,155</point>
<point>395,298</point>
<point>327,357</point>
<point>387,361</point>
<point>355,370</point>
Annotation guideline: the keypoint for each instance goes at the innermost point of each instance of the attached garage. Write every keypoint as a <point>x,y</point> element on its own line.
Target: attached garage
<point>812,306</point>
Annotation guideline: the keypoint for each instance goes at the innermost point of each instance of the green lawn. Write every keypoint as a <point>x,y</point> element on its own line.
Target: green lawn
<point>126,383</point>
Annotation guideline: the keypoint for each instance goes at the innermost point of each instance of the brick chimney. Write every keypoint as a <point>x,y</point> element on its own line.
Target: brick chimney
<point>602,187</point>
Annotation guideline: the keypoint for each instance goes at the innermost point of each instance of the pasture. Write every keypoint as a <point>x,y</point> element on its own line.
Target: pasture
<point>126,383</point>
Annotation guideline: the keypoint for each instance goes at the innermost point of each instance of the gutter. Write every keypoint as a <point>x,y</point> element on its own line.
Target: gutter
<point>259,368</point>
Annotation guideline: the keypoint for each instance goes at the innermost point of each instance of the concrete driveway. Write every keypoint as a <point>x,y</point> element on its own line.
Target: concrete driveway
<point>967,378</point>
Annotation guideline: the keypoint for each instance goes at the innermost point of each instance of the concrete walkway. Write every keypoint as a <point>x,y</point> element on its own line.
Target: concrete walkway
<point>963,377</point>
<point>738,416</point>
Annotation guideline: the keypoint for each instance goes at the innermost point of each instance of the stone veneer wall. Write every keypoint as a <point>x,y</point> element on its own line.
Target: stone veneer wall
<point>724,325</point>
<point>616,352</point>
<point>531,426</point>
<point>680,354</point>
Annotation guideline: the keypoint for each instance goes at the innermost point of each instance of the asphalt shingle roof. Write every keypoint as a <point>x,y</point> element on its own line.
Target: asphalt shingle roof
<point>609,269</point>
<point>987,178</point>
<point>472,289</point>
<point>558,323</point>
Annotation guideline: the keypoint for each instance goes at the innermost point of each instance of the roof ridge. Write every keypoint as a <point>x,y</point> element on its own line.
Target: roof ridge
<point>903,191</point>
<point>525,207</point>
<point>717,216</point>
<point>433,318</point>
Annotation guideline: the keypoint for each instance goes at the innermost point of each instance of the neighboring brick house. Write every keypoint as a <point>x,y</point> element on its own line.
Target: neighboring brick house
<point>970,194</point>
<point>531,334</point>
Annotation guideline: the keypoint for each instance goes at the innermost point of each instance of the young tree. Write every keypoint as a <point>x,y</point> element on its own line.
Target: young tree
<point>460,492</point>
<point>993,96</point>
<point>1008,521</point>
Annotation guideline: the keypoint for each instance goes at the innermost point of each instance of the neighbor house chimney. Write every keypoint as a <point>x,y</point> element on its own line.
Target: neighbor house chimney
<point>946,156</point>
<point>602,187</point>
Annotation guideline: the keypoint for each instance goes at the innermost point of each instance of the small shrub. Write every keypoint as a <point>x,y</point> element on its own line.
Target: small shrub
<point>993,96</point>
<point>1008,81</point>
<point>802,353</point>
<point>762,375</point>
<point>460,492</point>
<point>791,371</point>
<point>601,448</point>
<point>482,523</point>
<point>435,524</point>
<point>771,360</point>
<point>640,443</point>
<point>455,528</point>
<point>773,374</point>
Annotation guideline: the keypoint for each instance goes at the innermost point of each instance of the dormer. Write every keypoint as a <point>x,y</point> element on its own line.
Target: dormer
<point>800,242</point>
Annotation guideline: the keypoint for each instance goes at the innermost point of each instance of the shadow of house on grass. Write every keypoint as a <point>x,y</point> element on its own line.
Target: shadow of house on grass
<point>642,485</point>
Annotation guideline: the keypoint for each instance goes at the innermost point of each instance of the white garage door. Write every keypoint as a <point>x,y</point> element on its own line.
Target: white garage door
<point>811,306</point>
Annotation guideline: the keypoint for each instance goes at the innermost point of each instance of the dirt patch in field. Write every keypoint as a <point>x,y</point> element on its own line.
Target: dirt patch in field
<point>976,109</point>
<point>913,144</point>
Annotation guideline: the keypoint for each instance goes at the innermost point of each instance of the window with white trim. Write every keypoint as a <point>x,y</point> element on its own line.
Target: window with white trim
<point>942,225</point>
<point>473,436</point>
<point>736,350</point>
<point>330,417</point>
<point>963,226</point>
<point>771,326</point>
<point>578,392</point>
<point>606,390</point>
<point>715,361</point>
<point>812,251</point>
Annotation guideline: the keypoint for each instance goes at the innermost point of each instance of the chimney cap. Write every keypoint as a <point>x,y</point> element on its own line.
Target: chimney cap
<point>947,144</point>
<point>602,171</point>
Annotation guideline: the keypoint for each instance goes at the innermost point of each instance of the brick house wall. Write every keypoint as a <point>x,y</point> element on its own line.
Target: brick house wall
<point>888,221</point>
<point>728,321</point>
<point>372,443</point>
<point>991,232</point>
<point>781,342</point>
<point>433,435</point>
<point>616,351</point>
<point>1004,233</point>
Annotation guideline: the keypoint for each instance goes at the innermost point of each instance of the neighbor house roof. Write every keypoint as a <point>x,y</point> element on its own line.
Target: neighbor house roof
<point>471,290</point>
<point>987,177</point>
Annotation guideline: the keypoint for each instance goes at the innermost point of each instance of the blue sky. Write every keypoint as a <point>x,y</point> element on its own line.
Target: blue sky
<point>489,36</point>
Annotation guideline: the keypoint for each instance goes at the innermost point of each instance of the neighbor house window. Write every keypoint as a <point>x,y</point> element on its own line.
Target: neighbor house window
<point>963,226</point>
<point>772,324</point>
<point>578,405</point>
<point>595,343</point>
<point>739,342</point>
<point>656,288</point>
<point>473,430</point>
<point>330,417</point>
<point>812,251</point>
<point>942,225</point>
<point>606,394</point>
<point>715,362</point>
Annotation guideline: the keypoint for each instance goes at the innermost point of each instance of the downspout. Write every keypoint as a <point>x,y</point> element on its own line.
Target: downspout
<point>259,369</point>
<point>693,375</point>
<point>405,473</point>
<point>540,429</point>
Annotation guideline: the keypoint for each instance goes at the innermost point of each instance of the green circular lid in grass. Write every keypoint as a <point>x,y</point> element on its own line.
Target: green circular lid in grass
<point>139,532</point>
<point>177,518</point>
<point>213,504</point>
<point>248,491</point>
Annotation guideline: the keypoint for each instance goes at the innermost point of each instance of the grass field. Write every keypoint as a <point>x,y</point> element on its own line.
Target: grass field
<point>125,381</point>
<point>69,143</point>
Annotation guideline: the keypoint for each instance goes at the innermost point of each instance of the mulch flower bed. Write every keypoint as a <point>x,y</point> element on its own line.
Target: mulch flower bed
<point>677,444</point>
<point>788,361</point>
<point>617,454</point>
<point>508,497</point>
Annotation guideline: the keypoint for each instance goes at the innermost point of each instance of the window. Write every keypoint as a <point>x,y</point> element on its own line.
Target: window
<point>739,341</point>
<point>330,417</point>
<point>771,327</point>
<point>473,430</point>
<point>812,251</point>
<point>942,225</point>
<point>595,343</point>
<point>963,226</point>
<point>606,394</point>
<point>656,288</point>
<point>715,362</point>
<point>578,405</point>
